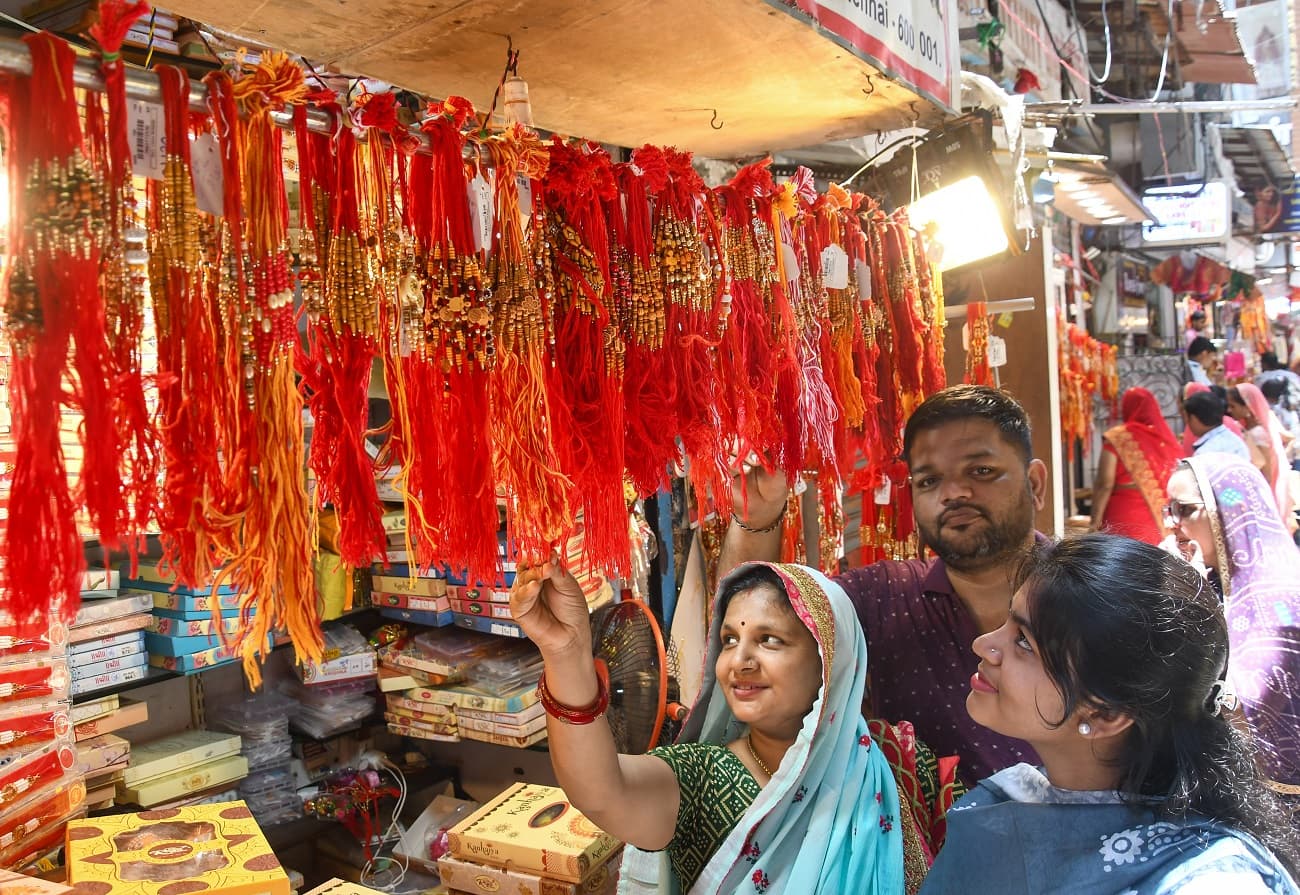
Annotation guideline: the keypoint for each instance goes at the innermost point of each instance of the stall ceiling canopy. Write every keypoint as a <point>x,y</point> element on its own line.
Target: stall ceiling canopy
<point>718,77</point>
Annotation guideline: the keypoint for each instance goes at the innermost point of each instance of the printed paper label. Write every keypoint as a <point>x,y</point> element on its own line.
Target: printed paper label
<point>205,168</point>
<point>480,204</point>
<point>835,267</point>
<point>144,122</point>
<point>864,280</point>
<point>997,351</point>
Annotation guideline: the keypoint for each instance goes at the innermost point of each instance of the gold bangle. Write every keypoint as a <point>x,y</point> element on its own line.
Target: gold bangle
<point>780,517</point>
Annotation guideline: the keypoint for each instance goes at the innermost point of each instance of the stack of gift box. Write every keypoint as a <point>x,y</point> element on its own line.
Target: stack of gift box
<point>107,641</point>
<point>530,841</point>
<point>182,769</point>
<point>98,725</point>
<point>182,635</point>
<point>41,786</point>
<point>413,599</point>
<point>480,688</point>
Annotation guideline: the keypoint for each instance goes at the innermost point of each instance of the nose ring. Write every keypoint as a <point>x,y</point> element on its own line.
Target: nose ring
<point>994,650</point>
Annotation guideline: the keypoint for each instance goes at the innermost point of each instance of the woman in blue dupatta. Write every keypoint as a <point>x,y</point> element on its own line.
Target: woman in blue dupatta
<point>775,786</point>
<point>1112,665</point>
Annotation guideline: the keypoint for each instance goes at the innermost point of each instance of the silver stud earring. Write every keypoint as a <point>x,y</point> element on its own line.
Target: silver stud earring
<point>1084,728</point>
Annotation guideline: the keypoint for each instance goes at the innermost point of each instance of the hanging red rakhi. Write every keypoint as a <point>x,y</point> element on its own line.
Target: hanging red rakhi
<point>929,294</point>
<point>837,277</point>
<point>539,510</point>
<point>978,371</point>
<point>123,289</point>
<point>455,483</point>
<point>56,214</point>
<point>272,568</point>
<point>412,376</point>
<point>189,375</point>
<point>586,376</point>
<point>806,294</point>
<point>750,356</point>
<point>902,306</point>
<point>342,328</point>
<point>688,242</point>
<point>649,391</point>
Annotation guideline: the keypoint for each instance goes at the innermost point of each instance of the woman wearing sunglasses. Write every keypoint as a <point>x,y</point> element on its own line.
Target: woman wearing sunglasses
<point>1221,508</point>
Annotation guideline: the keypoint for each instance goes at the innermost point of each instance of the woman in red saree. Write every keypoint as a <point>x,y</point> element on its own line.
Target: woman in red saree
<point>1138,456</point>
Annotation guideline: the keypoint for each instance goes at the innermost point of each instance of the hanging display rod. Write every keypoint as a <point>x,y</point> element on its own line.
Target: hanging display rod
<point>143,85</point>
<point>1006,306</point>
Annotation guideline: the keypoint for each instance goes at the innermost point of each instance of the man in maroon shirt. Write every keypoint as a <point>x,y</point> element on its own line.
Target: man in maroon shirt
<point>975,489</point>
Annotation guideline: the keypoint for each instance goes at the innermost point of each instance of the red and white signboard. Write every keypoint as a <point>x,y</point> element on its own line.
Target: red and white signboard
<point>913,41</point>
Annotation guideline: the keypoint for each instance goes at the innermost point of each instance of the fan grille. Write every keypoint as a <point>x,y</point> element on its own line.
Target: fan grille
<point>626,638</point>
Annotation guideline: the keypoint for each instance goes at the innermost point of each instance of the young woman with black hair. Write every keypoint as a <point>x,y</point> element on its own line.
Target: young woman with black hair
<point>1111,664</point>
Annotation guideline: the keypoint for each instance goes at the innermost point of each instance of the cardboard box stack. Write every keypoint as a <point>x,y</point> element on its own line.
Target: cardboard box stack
<point>218,847</point>
<point>181,635</point>
<point>117,657</point>
<point>41,786</point>
<point>181,768</point>
<point>486,690</point>
<point>98,725</point>
<point>530,841</point>
<point>417,600</point>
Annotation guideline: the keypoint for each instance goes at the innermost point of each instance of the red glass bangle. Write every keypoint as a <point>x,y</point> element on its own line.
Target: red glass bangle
<point>579,716</point>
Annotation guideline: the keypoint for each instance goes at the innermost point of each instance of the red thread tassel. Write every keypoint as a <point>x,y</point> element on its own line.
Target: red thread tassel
<point>57,262</point>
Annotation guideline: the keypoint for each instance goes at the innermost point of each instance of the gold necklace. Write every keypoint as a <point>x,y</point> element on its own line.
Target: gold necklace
<point>749,742</point>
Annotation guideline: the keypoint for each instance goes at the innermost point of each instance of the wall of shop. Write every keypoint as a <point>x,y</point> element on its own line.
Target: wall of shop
<point>1031,372</point>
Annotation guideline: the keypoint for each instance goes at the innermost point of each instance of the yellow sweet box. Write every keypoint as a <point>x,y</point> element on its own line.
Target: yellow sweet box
<point>215,849</point>
<point>533,828</point>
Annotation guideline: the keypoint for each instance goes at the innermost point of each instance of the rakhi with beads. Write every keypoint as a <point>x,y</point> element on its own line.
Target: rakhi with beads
<point>832,222</point>
<point>272,567</point>
<point>189,374</point>
<point>858,337</point>
<point>929,287</point>
<point>459,333</point>
<point>336,176</point>
<point>749,358</point>
<point>56,217</point>
<point>123,282</point>
<point>441,401</point>
<point>818,403</point>
<point>649,433</point>
<point>586,375</point>
<point>539,511</point>
<point>903,306</point>
<point>688,242</point>
<point>978,371</point>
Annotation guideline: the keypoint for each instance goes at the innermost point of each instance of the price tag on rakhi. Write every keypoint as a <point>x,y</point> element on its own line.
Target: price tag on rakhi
<point>883,492</point>
<point>864,280</point>
<point>835,267</point>
<point>144,127</point>
<point>205,169</point>
<point>997,351</point>
<point>480,209</point>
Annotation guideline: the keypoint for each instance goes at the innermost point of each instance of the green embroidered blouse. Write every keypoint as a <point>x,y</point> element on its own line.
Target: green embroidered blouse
<point>716,790</point>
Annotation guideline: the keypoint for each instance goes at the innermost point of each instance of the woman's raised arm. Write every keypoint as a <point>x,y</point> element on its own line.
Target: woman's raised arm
<point>632,797</point>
